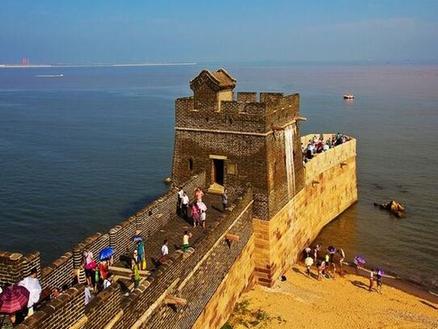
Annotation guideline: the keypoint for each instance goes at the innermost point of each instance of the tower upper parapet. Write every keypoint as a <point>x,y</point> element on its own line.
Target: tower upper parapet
<point>214,105</point>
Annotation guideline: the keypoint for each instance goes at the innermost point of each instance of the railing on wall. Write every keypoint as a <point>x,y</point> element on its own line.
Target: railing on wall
<point>323,161</point>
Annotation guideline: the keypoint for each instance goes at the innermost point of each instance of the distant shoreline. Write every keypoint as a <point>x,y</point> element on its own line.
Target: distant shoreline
<point>31,66</point>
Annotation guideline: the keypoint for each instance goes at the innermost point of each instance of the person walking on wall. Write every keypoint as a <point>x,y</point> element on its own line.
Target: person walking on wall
<point>203,215</point>
<point>185,205</point>
<point>186,238</point>
<point>196,214</point>
<point>90,266</point>
<point>198,194</point>
<point>32,284</point>
<point>164,250</point>
<point>135,267</point>
<point>225,200</point>
<point>141,255</point>
<point>180,195</point>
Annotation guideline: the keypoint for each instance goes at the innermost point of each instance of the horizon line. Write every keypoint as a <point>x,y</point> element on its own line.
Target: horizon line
<point>24,66</point>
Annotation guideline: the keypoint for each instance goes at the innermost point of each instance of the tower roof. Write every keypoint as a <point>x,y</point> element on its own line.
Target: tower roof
<point>220,79</point>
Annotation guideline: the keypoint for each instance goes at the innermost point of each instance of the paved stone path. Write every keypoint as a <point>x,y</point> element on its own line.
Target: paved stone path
<point>173,231</point>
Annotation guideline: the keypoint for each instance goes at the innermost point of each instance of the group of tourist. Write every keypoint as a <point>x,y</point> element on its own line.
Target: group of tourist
<point>318,145</point>
<point>327,263</point>
<point>96,275</point>
<point>29,291</point>
<point>198,209</point>
<point>331,261</point>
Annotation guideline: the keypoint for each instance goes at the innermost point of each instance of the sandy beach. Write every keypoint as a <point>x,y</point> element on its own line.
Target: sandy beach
<point>343,302</point>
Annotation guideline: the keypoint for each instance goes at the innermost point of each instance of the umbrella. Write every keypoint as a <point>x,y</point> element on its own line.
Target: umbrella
<point>106,253</point>
<point>34,288</point>
<point>137,238</point>
<point>331,249</point>
<point>359,260</point>
<point>13,298</point>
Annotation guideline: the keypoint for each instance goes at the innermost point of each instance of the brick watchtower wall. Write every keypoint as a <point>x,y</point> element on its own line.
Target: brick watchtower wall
<point>240,140</point>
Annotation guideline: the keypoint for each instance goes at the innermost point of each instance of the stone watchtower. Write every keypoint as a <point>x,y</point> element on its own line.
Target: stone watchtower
<point>239,139</point>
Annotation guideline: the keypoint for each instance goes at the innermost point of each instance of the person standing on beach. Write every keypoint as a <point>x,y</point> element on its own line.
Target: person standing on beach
<point>370,288</point>
<point>308,262</point>
<point>307,251</point>
<point>379,281</point>
<point>316,253</point>
<point>341,258</point>
<point>321,266</point>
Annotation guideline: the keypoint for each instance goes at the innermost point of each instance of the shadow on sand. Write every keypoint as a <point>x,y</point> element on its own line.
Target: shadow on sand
<point>312,275</point>
<point>359,284</point>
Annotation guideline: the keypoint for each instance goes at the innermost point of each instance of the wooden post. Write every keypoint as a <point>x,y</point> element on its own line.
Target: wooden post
<point>173,300</point>
<point>232,237</point>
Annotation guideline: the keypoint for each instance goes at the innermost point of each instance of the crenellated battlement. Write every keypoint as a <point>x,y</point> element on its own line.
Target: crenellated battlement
<point>246,112</point>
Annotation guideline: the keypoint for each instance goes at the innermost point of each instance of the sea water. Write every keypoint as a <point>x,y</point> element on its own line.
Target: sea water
<point>81,151</point>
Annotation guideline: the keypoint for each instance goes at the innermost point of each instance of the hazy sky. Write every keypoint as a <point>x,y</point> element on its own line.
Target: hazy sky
<point>90,31</point>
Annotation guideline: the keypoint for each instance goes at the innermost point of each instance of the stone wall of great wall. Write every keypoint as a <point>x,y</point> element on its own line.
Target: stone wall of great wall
<point>193,276</point>
<point>269,222</point>
<point>326,195</point>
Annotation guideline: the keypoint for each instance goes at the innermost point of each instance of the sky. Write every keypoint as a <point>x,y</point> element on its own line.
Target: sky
<point>106,31</point>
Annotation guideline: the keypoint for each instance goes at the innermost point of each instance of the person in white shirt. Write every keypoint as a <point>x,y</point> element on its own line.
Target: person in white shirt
<point>164,249</point>
<point>179,202</point>
<point>32,284</point>
<point>185,205</point>
<point>107,282</point>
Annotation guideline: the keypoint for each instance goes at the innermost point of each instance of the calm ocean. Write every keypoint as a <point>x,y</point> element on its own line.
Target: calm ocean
<point>79,153</point>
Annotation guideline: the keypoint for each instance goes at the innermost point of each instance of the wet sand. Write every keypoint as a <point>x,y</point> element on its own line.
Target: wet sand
<point>343,302</point>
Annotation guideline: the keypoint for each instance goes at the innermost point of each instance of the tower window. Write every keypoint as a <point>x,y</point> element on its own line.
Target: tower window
<point>191,164</point>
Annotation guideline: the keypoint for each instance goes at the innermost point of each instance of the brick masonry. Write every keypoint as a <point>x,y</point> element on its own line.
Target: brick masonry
<point>247,133</point>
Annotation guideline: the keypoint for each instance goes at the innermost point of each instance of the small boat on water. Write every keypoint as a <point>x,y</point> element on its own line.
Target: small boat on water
<point>49,75</point>
<point>348,96</point>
